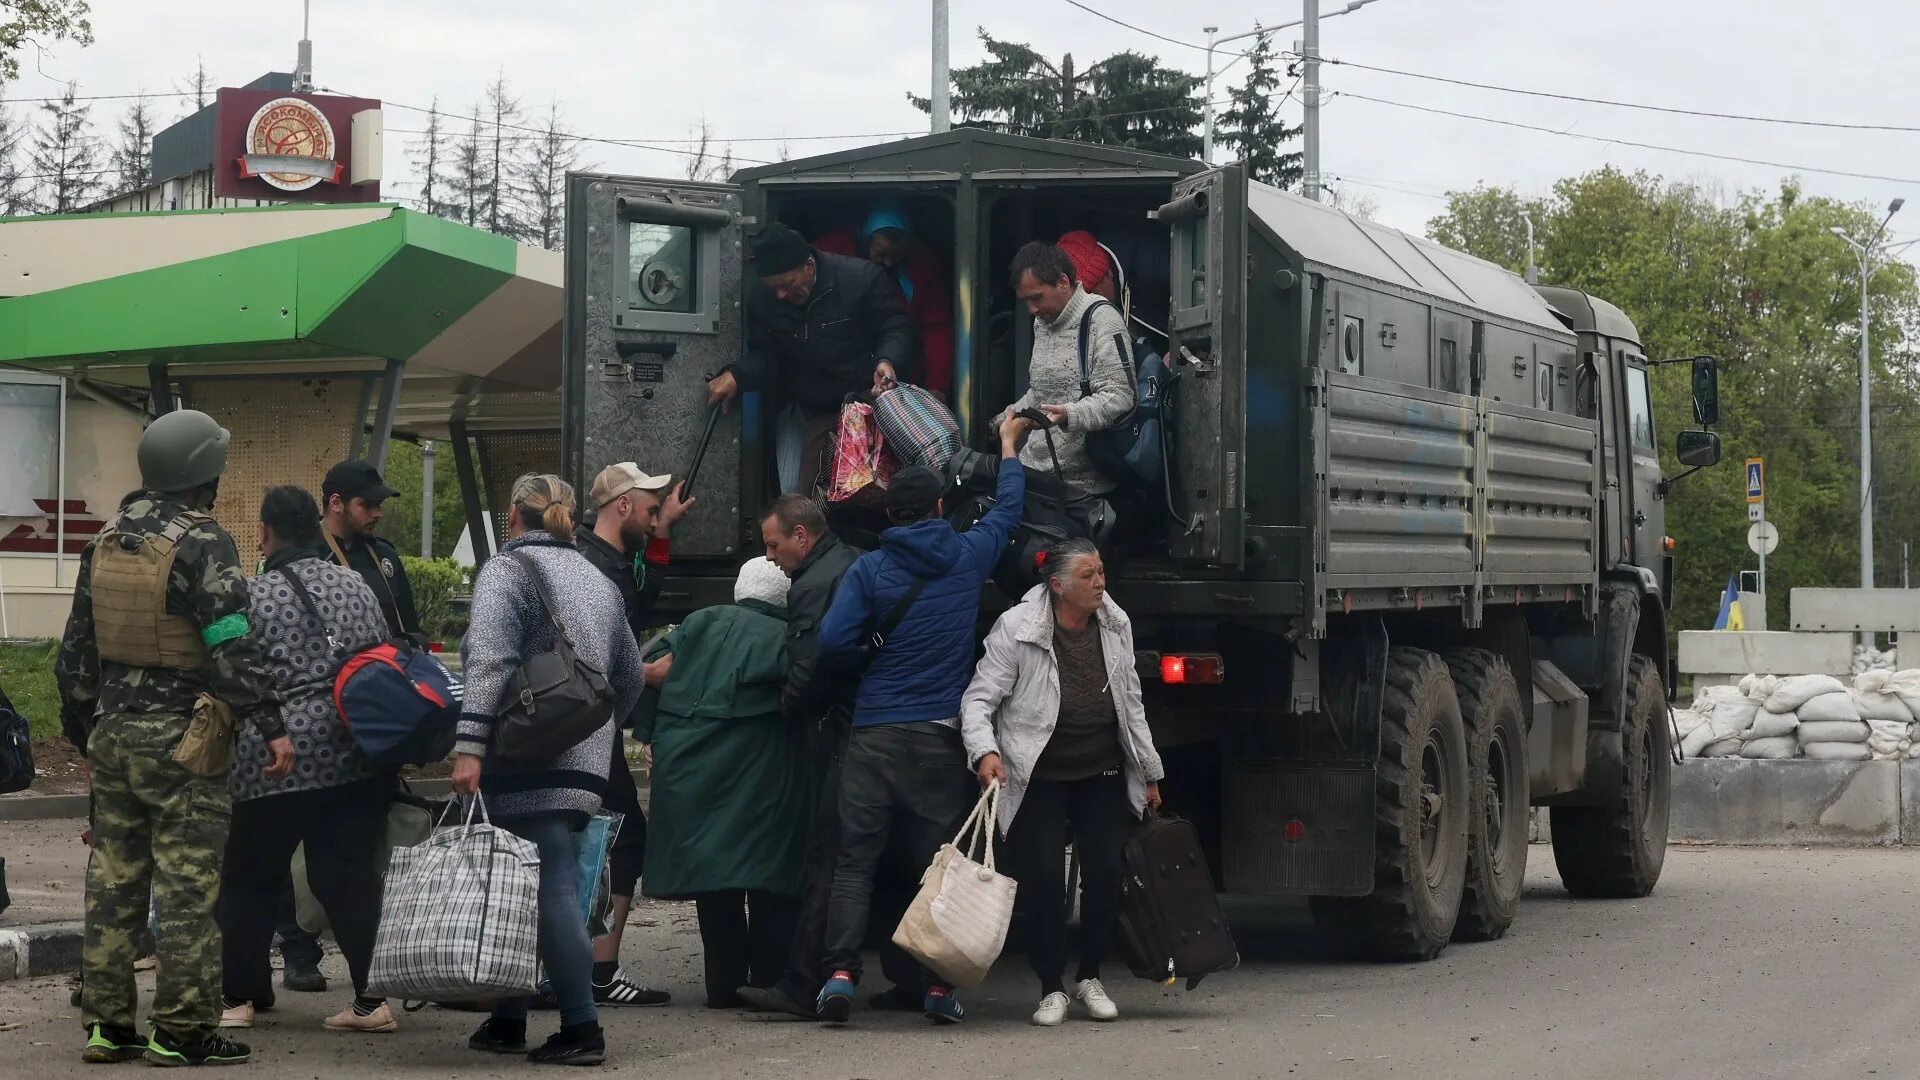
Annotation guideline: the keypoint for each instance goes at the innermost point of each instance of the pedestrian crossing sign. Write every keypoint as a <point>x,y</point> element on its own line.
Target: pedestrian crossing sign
<point>1756,480</point>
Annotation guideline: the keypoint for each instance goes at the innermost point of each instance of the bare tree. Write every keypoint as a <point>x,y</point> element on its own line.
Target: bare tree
<point>16,191</point>
<point>543,181</point>
<point>473,184</point>
<point>1357,203</point>
<point>133,157</point>
<point>432,154</point>
<point>66,154</point>
<point>503,151</point>
<point>198,87</point>
<point>706,161</point>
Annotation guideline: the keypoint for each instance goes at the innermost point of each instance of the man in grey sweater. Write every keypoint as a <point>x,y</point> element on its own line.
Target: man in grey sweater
<point>1045,280</point>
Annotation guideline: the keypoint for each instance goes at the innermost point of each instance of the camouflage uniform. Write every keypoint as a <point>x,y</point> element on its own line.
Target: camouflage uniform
<point>157,826</point>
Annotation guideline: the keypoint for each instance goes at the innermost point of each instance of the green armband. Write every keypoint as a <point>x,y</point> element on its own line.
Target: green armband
<point>225,629</point>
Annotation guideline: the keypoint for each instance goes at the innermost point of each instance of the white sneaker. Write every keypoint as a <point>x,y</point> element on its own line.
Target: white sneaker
<point>1052,1011</point>
<point>1094,997</point>
<point>239,1016</point>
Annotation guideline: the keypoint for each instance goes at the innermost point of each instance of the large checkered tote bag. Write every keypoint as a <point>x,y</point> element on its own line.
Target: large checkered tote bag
<point>460,918</point>
<point>918,427</point>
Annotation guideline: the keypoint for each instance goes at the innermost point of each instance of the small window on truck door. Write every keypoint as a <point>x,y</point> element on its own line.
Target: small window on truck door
<point>1639,408</point>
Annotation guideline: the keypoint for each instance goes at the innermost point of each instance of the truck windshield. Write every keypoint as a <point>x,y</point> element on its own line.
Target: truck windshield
<point>1639,408</point>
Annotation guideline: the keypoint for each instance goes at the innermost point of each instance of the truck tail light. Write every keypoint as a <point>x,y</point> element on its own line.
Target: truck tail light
<point>1192,669</point>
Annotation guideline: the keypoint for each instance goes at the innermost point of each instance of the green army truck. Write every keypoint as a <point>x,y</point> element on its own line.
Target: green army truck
<point>1413,577</point>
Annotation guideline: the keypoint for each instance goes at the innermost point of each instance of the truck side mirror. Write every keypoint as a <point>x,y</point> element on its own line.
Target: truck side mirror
<point>1706,397</point>
<point>1697,449</point>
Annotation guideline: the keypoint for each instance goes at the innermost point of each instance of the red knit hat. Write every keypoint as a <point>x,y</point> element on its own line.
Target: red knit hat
<point>1090,262</point>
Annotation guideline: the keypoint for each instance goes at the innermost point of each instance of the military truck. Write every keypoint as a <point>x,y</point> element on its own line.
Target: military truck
<point>1415,577</point>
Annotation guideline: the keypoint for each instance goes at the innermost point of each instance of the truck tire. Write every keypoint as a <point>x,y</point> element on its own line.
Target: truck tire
<point>1497,767</point>
<point>1617,851</point>
<point>1420,820</point>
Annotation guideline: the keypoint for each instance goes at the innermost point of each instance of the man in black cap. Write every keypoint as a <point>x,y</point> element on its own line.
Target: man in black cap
<point>352,494</point>
<point>819,327</point>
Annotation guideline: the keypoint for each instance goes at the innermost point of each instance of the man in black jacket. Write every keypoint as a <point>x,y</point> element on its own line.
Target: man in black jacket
<point>819,327</point>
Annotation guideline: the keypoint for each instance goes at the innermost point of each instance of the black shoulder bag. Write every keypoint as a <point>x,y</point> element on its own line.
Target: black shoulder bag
<point>1107,448</point>
<point>555,700</point>
<point>874,641</point>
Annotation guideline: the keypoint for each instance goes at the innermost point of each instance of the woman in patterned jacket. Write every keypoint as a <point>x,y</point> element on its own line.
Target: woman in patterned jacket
<point>336,800</point>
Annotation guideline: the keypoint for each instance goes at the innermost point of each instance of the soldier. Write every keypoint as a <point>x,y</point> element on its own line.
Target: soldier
<point>350,506</point>
<point>159,631</point>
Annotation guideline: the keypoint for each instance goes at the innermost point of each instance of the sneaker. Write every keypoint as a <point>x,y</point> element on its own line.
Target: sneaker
<point>500,1037</point>
<point>379,1020</point>
<point>584,1045</point>
<point>544,997</point>
<point>1052,1011</point>
<point>835,1003</point>
<point>778,999</point>
<point>1094,997</point>
<point>304,978</point>
<point>215,1049</point>
<point>942,1007</point>
<point>237,1014</point>
<point>622,991</point>
<point>106,1045</point>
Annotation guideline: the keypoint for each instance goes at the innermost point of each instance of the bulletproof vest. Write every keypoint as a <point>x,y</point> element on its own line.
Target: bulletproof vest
<point>130,574</point>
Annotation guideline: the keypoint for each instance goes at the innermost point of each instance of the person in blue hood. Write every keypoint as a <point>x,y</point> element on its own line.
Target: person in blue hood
<point>908,610</point>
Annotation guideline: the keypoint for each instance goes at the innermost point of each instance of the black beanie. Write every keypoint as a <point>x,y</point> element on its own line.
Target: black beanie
<point>777,249</point>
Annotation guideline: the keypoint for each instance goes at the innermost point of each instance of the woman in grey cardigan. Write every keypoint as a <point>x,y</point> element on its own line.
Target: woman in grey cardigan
<point>545,802</point>
<point>1054,713</point>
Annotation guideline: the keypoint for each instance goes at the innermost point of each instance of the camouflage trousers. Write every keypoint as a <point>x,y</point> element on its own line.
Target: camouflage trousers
<point>156,827</point>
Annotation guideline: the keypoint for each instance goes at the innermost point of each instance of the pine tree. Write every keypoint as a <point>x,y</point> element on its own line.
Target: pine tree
<point>66,154</point>
<point>472,186</point>
<point>198,87</point>
<point>504,154</point>
<point>543,181</point>
<point>133,157</point>
<point>16,191</point>
<point>432,154</point>
<point>1251,126</point>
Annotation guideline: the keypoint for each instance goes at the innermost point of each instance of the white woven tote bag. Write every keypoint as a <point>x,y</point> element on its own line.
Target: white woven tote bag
<point>957,923</point>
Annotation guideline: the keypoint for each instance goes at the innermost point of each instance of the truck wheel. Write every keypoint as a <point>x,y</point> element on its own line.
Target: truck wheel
<point>1497,766</point>
<point>1420,820</point>
<point>1617,851</point>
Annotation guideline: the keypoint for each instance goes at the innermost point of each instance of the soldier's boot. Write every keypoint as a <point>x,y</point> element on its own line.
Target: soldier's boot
<point>107,1045</point>
<point>213,1049</point>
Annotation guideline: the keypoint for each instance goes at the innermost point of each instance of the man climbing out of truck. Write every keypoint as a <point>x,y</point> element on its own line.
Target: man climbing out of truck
<point>907,612</point>
<point>819,327</point>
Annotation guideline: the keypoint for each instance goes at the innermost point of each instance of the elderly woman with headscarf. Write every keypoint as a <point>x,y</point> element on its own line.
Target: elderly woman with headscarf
<point>732,795</point>
<point>922,277</point>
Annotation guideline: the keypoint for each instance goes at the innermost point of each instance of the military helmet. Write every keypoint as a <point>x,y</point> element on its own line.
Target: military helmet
<point>182,449</point>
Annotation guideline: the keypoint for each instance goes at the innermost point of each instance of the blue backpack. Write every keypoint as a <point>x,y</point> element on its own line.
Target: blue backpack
<point>1133,453</point>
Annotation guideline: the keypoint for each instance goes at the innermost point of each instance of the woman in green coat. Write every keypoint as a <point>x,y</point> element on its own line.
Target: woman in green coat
<point>732,795</point>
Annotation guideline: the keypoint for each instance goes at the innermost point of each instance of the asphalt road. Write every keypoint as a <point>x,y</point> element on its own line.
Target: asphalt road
<point>1746,963</point>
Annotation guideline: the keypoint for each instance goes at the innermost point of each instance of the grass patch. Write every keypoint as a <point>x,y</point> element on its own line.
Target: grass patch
<point>26,674</point>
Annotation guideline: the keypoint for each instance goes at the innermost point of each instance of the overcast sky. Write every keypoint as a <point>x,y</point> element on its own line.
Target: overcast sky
<point>755,69</point>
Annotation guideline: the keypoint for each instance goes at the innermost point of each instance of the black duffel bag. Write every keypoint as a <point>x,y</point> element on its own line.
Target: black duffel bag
<point>1052,511</point>
<point>555,700</point>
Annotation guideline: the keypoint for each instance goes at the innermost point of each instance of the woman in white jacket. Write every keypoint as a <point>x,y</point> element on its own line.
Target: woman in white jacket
<point>1054,713</point>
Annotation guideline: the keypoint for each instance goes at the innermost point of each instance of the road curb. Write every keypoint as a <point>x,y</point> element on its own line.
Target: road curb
<point>44,949</point>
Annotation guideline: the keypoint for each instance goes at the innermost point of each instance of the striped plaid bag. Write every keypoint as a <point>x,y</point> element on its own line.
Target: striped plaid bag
<point>918,427</point>
<point>460,918</point>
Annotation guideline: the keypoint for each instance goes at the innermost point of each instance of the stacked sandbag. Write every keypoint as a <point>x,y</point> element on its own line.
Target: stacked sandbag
<point>1712,727</point>
<point>1769,734</point>
<point>1889,720</point>
<point>1866,659</point>
<point>1830,725</point>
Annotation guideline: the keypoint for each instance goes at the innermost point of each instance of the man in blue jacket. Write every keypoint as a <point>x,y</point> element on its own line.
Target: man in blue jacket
<point>905,769</point>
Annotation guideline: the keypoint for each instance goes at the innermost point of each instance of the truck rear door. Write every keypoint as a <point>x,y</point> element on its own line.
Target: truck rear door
<point>1208,335</point>
<point>653,279</point>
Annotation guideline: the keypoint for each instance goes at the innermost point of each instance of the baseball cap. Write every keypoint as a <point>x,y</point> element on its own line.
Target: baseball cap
<point>913,491</point>
<point>618,479</point>
<point>356,480</point>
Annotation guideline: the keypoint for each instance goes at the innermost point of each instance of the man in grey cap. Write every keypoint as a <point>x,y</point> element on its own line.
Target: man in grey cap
<point>634,515</point>
<point>819,327</point>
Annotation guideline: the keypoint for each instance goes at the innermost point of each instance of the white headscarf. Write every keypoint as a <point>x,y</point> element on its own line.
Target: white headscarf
<point>761,579</point>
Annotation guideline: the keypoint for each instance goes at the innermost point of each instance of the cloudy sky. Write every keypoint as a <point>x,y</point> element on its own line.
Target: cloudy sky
<point>759,70</point>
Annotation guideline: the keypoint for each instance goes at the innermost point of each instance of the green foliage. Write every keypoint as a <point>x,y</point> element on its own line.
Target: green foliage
<point>1129,99</point>
<point>39,23</point>
<point>401,525</point>
<point>1759,281</point>
<point>1251,126</point>
<point>435,581</point>
<point>26,674</point>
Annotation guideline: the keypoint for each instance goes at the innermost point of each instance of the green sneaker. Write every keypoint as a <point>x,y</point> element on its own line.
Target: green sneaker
<point>109,1045</point>
<point>214,1049</point>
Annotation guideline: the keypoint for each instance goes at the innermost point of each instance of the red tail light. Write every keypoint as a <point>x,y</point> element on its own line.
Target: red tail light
<point>1198,669</point>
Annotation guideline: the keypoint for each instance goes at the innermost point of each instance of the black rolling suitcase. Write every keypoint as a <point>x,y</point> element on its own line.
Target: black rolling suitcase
<point>1171,926</point>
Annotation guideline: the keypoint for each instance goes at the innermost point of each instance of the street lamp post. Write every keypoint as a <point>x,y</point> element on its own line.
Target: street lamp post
<point>1310,92</point>
<point>1867,253</point>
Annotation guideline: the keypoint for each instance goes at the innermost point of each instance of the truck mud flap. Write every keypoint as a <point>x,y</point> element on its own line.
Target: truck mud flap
<point>1295,828</point>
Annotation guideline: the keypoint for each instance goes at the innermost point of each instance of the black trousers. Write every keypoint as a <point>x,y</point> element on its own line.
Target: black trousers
<point>297,946</point>
<point>345,831</point>
<point>1095,814</point>
<point>744,935</point>
<point>630,847</point>
<point>900,784</point>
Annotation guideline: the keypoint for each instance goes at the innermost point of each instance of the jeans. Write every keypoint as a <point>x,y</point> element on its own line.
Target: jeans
<point>907,783</point>
<point>1096,813</point>
<point>799,446</point>
<point>344,829</point>
<point>564,946</point>
<point>743,939</point>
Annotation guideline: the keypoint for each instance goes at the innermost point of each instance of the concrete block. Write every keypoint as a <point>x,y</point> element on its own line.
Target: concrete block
<point>44,949</point>
<point>1796,801</point>
<point>1910,803</point>
<point>1740,652</point>
<point>1753,610</point>
<point>1888,610</point>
